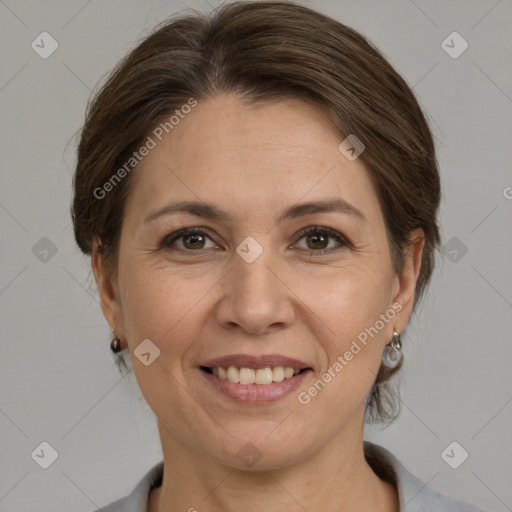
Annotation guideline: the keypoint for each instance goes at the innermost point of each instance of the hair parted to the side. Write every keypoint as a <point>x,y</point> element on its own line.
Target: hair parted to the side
<point>264,51</point>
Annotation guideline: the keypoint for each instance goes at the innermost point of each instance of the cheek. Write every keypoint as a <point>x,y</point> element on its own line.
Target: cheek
<point>347,300</point>
<point>163,305</point>
<point>164,309</point>
<point>350,305</point>
<point>352,345</point>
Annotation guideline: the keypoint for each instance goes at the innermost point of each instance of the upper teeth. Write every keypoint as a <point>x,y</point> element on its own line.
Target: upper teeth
<point>259,376</point>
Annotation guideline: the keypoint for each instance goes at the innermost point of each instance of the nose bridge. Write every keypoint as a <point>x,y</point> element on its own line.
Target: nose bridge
<point>255,278</point>
<point>255,298</point>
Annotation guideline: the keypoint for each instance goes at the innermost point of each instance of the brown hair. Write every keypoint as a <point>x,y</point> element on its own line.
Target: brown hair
<point>263,51</point>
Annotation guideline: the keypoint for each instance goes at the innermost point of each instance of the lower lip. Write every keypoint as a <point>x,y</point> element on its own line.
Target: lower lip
<point>256,393</point>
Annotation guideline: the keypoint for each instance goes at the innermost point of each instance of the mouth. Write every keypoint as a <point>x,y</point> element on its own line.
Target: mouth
<point>255,379</point>
<point>251,376</point>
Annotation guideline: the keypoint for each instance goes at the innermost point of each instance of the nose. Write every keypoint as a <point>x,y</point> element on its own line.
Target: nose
<point>257,299</point>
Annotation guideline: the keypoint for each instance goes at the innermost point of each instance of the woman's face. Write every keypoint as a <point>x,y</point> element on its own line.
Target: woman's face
<point>252,287</point>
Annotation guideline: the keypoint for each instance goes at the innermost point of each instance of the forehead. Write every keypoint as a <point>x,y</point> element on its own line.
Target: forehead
<point>250,156</point>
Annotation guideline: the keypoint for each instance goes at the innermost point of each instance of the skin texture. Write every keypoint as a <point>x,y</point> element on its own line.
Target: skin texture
<point>205,301</point>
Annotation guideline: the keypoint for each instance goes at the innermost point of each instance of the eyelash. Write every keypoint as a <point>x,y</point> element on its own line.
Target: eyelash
<point>166,242</point>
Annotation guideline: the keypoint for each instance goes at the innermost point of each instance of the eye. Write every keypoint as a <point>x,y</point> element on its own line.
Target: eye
<point>192,239</point>
<point>317,239</point>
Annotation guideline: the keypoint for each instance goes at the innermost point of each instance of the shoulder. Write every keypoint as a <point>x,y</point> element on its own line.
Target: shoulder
<point>137,500</point>
<point>414,494</point>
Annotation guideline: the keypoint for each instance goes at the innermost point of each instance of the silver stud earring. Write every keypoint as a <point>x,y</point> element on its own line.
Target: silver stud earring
<point>392,351</point>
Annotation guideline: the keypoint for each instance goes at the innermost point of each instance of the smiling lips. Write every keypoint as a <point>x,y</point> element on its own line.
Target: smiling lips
<point>254,378</point>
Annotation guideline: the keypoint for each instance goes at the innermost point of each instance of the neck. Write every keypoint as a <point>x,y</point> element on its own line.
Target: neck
<point>336,478</point>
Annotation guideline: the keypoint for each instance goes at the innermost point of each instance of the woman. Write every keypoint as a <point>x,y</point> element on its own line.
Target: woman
<point>258,192</point>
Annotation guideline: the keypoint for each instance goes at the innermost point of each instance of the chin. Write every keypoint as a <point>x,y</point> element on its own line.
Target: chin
<point>262,451</point>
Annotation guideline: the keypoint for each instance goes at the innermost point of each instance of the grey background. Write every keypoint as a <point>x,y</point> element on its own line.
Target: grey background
<point>58,381</point>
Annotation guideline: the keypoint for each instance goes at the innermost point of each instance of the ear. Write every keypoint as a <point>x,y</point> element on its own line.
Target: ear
<point>108,291</point>
<point>409,277</point>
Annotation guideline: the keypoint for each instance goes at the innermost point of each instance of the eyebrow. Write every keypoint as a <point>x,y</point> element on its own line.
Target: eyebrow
<point>210,211</point>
